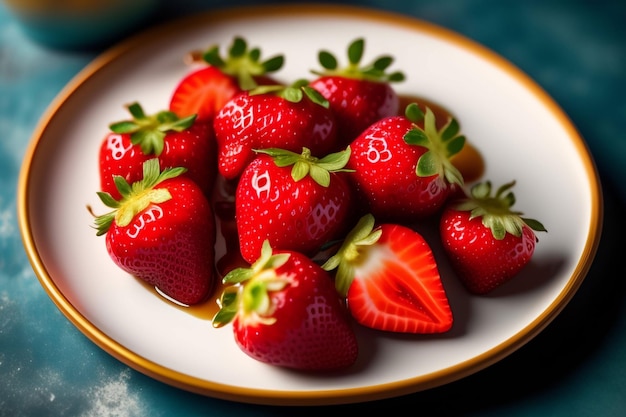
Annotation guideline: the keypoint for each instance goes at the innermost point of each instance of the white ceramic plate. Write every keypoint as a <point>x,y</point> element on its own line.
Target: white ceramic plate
<point>521,133</point>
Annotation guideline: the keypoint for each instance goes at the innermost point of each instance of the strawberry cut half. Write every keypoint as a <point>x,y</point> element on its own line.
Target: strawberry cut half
<point>203,92</point>
<point>390,279</point>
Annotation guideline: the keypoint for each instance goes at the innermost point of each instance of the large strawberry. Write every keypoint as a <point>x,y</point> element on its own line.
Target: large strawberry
<point>358,95</point>
<point>285,117</point>
<point>285,312</point>
<point>296,201</point>
<point>176,142</point>
<point>402,165</point>
<point>206,89</point>
<point>390,279</point>
<point>487,242</point>
<point>162,231</point>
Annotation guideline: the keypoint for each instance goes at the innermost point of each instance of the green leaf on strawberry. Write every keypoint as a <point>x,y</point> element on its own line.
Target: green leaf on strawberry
<point>362,235</point>
<point>253,297</point>
<point>148,131</point>
<point>442,144</point>
<point>242,62</point>
<point>359,95</point>
<point>495,210</point>
<point>306,164</point>
<point>293,93</point>
<point>137,197</point>
<point>374,71</point>
<point>205,90</point>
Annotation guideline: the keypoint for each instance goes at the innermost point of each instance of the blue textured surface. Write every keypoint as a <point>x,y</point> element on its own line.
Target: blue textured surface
<point>576,50</point>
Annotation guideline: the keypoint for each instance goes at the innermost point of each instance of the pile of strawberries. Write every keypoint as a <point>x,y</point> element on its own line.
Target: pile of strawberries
<point>323,180</point>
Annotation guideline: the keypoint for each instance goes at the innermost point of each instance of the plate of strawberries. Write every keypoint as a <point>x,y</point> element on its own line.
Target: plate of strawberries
<point>307,205</point>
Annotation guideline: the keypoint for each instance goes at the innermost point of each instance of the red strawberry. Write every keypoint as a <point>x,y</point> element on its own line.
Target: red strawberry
<point>162,231</point>
<point>204,91</point>
<point>276,116</point>
<point>297,202</point>
<point>286,312</point>
<point>358,95</point>
<point>390,279</point>
<point>487,243</point>
<point>402,165</point>
<point>176,142</point>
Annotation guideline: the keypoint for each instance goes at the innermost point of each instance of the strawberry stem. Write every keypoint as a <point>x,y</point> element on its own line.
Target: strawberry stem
<point>242,63</point>
<point>441,144</point>
<point>250,296</point>
<point>149,131</point>
<point>374,71</point>
<point>495,211</point>
<point>362,235</point>
<point>293,93</point>
<point>306,164</point>
<point>137,197</point>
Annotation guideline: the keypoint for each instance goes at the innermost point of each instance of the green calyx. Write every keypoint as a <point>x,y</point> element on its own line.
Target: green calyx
<point>135,197</point>
<point>293,93</point>
<point>148,131</point>
<point>361,236</point>
<point>242,63</point>
<point>306,164</point>
<point>250,292</point>
<point>374,71</point>
<point>495,210</point>
<point>441,144</point>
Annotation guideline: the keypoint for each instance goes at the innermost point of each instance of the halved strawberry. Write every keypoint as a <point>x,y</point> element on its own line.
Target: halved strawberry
<point>487,242</point>
<point>204,91</point>
<point>286,312</point>
<point>390,279</point>
<point>162,231</point>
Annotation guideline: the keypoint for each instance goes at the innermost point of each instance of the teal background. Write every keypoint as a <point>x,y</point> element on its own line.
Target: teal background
<point>576,50</point>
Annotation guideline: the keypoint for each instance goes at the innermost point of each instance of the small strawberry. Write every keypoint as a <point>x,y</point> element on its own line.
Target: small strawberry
<point>285,312</point>
<point>486,242</point>
<point>205,90</point>
<point>358,95</point>
<point>402,165</point>
<point>297,202</point>
<point>176,142</point>
<point>285,117</point>
<point>390,279</point>
<point>162,231</point>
